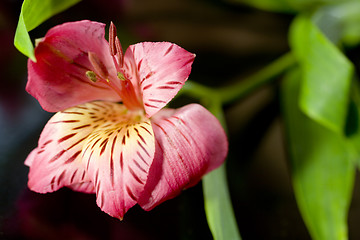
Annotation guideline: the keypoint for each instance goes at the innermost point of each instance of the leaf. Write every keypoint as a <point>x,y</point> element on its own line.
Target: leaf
<point>348,13</point>
<point>321,167</point>
<point>353,123</point>
<point>340,21</point>
<point>218,207</point>
<point>33,13</point>
<point>327,74</point>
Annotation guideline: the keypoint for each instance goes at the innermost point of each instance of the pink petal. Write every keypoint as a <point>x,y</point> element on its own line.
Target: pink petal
<point>56,162</point>
<point>190,142</point>
<point>117,157</point>
<point>161,69</point>
<point>85,187</point>
<point>58,78</point>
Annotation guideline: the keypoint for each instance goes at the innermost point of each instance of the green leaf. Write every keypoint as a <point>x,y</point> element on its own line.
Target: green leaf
<point>218,207</point>
<point>327,74</point>
<point>322,168</point>
<point>33,13</point>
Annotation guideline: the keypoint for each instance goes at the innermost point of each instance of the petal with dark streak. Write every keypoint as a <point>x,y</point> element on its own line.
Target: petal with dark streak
<point>117,157</point>
<point>190,142</point>
<point>160,70</point>
<point>56,162</point>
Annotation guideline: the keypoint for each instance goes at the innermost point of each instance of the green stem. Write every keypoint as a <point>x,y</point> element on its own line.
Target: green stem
<point>242,88</point>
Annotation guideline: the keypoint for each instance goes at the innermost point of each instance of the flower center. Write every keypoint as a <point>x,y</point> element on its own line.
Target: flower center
<point>120,84</point>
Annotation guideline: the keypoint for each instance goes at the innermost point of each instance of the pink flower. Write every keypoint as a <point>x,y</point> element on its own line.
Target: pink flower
<point>127,153</point>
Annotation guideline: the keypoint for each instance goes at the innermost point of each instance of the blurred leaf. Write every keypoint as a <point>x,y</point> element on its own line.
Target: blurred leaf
<point>270,5</point>
<point>33,13</point>
<point>288,6</point>
<point>321,167</point>
<point>218,207</point>
<point>347,13</point>
<point>347,16</point>
<point>327,73</point>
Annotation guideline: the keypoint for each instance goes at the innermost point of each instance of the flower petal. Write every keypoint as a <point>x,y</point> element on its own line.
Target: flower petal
<point>56,162</point>
<point>117,157</point>
<point>161,69</point>
<point>189,143</point>
<point>58,78</point>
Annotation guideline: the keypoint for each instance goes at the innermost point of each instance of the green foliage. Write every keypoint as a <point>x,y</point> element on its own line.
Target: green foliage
<point>322,119</point>
<point>33,13</point>
<point>322,167</point>
<point>327,74</point>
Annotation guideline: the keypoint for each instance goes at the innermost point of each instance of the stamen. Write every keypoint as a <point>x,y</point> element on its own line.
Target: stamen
<point>112,35</point>
<point>124,88</point>
<point>91,75</point>
<point>98,65</point>
<point>115,47</point>
<point>119,50</point>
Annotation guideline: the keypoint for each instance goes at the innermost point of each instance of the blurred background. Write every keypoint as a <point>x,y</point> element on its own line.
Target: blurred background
<point>231,41</point>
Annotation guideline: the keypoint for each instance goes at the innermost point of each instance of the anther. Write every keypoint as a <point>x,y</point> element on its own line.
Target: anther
<point>98,65</point>
<point>91,75</point>
<point>121,76</point>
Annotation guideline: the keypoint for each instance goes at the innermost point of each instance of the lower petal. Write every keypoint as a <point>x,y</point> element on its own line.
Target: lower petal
<point>117,157</point>
<point>190,142</point>
<point>56,162</point>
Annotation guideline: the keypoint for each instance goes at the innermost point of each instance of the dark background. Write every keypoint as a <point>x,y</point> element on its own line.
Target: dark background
<point>231,42</point>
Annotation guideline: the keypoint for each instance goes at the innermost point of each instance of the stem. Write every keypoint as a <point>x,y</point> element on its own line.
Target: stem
<point>242,88</point>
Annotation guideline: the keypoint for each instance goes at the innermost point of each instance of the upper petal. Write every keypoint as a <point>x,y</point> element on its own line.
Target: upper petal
<point>117,157</point>
<point>189,143</point>
<point>161,69</point>
<point>58,78</point>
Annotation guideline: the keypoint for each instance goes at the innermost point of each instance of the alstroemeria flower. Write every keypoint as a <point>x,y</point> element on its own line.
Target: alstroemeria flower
<point>128,153</point>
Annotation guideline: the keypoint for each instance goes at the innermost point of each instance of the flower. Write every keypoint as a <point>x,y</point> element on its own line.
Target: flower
<point>128,153</point>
